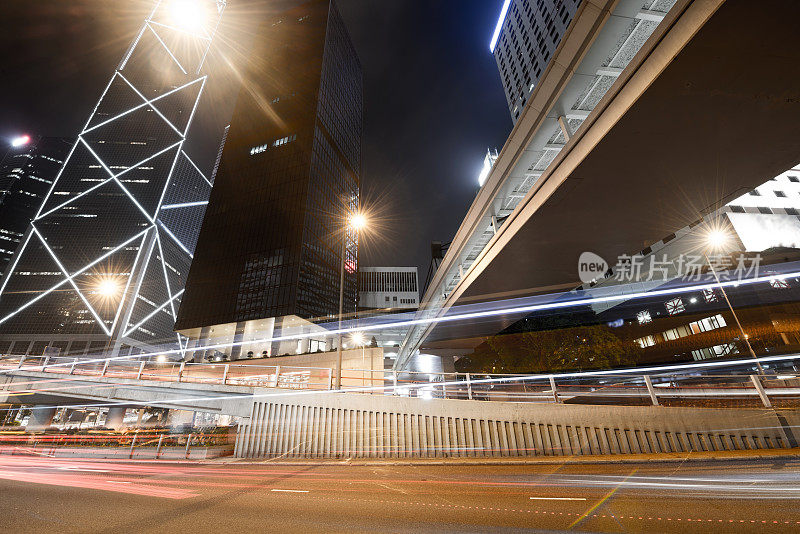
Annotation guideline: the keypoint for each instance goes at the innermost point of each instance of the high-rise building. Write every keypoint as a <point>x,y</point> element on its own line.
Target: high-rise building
<point>488,163</point>
<point>388,288</point>
<point>271,241</point>
<point>26,174</point>
<point>527,34</point>
<point>105,259</point>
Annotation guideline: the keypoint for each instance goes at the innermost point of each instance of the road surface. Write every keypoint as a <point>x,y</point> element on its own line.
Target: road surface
<point>42,494</point>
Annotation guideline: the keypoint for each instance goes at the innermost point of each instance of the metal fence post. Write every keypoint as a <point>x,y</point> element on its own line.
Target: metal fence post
<point>761,392</point>
<point>72,368</point>
<point>105,368</point>
<point>141,369</point>
<point>133,442</point>
<point>188,444</point>
<point>225,373</point>
<point>330,378</point>
<point>469,387</point>
<point>554,389</point>
<point>21,361</point>
<point>158,449</point>
<point>650,389</point>
<point>277,375</point>
<point>394,381</point>
<point>46,361</point>
<point>180,371</point>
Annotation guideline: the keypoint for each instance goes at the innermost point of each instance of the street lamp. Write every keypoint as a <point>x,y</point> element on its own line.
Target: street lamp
<point>716,240</point>
<point>356,222</point>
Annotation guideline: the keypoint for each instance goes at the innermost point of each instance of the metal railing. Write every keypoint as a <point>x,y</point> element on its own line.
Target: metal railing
<point>687,386</point>
<point>155,443</point>
<point>273,376</point>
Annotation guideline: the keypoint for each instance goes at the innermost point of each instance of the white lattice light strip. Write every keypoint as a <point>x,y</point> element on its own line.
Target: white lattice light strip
<point>143,257</point>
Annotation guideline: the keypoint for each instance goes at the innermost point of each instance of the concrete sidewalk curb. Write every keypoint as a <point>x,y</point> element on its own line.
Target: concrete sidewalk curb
<point>737,456</point>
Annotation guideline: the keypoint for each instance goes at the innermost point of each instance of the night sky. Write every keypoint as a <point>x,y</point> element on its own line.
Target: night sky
<point>433,100</point>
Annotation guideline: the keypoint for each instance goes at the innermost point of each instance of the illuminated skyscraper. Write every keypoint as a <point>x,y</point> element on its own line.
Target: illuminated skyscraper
<point>271,240</point>
<point>26,174</point>
<point>527,34</point>
<point>106,257</point>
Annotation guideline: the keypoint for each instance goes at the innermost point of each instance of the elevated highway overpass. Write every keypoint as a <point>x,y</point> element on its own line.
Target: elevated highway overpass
<point>644,122</point>
<point>680,408</point>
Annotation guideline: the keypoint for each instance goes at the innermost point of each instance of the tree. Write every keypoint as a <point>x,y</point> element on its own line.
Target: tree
<point>578,348</point>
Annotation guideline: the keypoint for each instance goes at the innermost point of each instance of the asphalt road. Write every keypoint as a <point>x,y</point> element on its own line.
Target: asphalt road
<point>40,494</point>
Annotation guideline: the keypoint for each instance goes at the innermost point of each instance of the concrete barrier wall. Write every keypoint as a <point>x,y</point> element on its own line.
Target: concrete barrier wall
<point>346,425</point>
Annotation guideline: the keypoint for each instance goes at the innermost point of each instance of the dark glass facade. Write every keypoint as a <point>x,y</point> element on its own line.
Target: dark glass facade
<point>26,174</point>
<point>271,239</point>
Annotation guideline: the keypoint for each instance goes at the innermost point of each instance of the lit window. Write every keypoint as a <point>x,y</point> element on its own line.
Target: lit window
<point>647,341</point>
<point>675,306</point>
<point>644,317</point>
<point>779,284</point>
<point>709,295</point>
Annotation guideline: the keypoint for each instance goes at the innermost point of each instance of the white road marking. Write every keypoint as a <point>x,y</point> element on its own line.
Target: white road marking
<point>87,469</point>
<point>558,498</point>
<point>290,491</point>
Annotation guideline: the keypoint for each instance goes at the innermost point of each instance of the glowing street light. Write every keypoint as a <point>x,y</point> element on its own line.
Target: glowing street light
<point>358,339</point>
<point>188,14</point>
<point>356,222</point>
<point>716,240</point>
<point>20,141</point>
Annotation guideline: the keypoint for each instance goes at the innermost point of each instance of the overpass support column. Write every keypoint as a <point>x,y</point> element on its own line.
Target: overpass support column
<point>41,418</point>
<point>236,349</point>
<point>115,416</point>
<point>198,354</point>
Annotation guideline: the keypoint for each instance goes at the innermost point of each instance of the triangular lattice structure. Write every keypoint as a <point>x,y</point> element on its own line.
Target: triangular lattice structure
<point>109,251</point>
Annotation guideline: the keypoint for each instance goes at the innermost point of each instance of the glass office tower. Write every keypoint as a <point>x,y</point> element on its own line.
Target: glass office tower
<point>271,240</point>
<point>26,174</point>
<point>105,259</point>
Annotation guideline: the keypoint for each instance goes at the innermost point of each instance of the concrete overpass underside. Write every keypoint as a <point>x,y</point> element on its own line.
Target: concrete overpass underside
<point>697,119</point>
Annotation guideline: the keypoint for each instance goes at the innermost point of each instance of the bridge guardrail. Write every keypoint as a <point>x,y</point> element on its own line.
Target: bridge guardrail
<point>688,387</point>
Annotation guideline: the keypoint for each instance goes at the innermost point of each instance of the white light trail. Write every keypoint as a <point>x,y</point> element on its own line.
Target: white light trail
<point>472,315</point>
<point>506,311</point>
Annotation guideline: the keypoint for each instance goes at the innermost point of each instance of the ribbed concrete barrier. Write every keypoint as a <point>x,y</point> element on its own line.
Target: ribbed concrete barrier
<point>348,425</point>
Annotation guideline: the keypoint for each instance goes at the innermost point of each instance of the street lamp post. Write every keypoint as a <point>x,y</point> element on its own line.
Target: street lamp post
<point>356,222</point>
<point>717,239</point>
